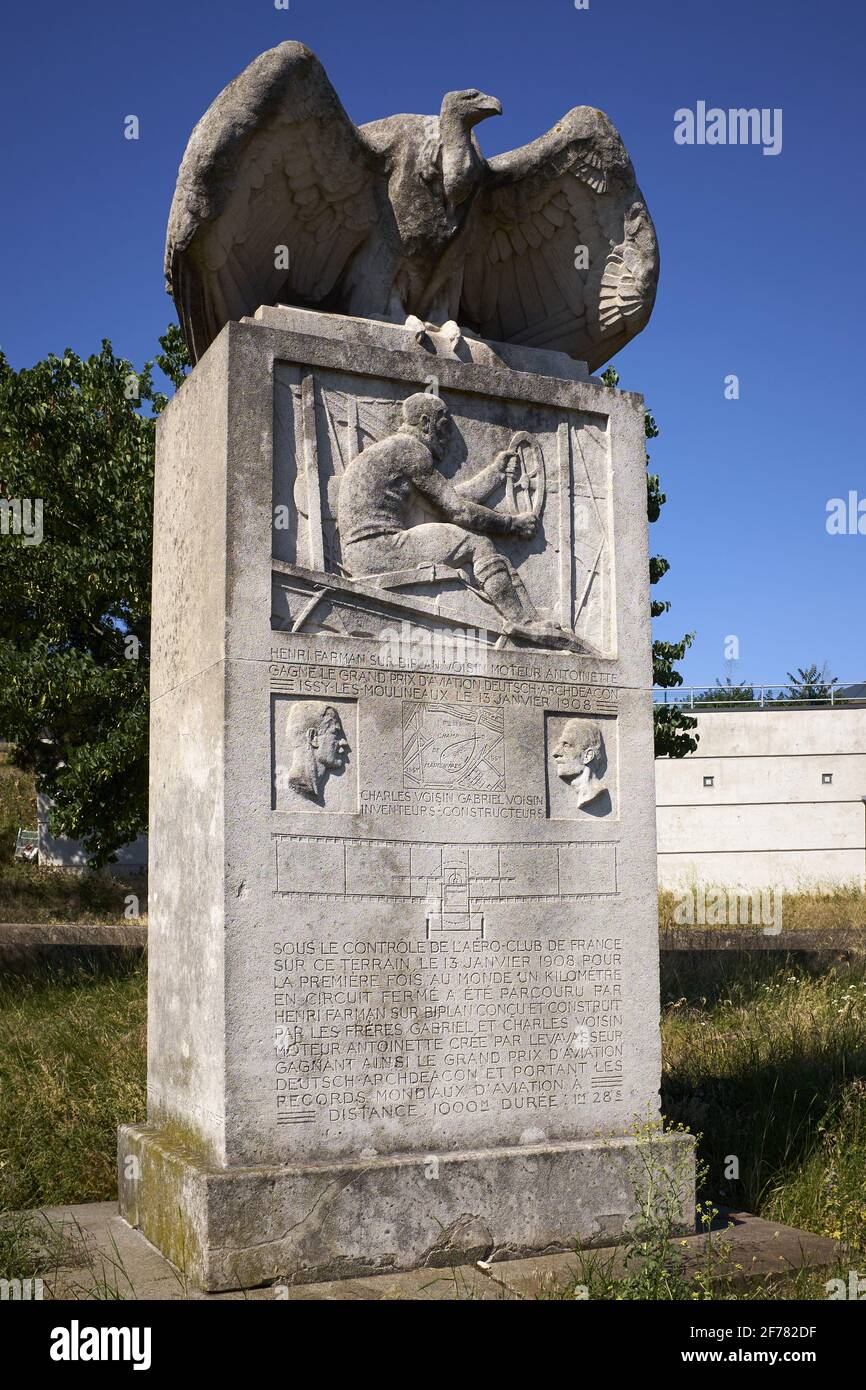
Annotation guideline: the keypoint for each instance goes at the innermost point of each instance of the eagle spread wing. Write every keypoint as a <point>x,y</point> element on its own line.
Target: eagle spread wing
<point>274,163</point>
<point>526,279</point>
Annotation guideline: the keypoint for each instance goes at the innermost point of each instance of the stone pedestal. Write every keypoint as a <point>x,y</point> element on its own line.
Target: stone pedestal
<point>403,936</point>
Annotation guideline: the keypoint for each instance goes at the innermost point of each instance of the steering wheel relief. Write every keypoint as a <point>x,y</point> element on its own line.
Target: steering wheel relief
<point>526,487</point>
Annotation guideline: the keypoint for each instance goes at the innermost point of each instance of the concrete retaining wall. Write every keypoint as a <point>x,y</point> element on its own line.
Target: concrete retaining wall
<point>769,817</point>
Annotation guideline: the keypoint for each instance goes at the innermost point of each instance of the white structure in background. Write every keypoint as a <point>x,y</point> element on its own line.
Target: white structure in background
<point>773,796</point>
<point>59,853</point>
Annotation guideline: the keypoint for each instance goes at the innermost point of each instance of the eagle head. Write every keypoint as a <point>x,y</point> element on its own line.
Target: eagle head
<point>470,107</point>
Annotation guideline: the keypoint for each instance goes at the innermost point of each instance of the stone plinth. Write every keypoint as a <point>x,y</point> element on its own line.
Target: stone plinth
<point>403,935</point>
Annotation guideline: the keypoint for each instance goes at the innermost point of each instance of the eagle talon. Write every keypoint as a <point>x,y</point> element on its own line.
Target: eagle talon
<point>452,333</point>
<point>417,328</point>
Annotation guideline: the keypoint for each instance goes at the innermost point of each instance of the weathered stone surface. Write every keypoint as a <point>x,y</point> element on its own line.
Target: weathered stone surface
<point>105,1253</point>
<point>403,939</point>
<point>307,1223</point>
<point>96,1254</point>
<point>396,337</point>
<point>66,944</point>
<point>404,217</point>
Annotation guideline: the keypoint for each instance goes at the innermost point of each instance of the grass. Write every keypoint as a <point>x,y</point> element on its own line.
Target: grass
<point>64,1258</point>
<point>767,1060</point>
<point>811,908</point>
<point>29,893</point>
<point>28,1241</point>
<point>72,1067</point>
<point>17,805</point>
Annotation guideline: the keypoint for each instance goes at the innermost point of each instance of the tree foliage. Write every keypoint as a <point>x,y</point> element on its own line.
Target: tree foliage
<point>727,695</point>
<point>808,686</point>
<point>75,618</point>
<point>673,736</point>
<point>809,683</point>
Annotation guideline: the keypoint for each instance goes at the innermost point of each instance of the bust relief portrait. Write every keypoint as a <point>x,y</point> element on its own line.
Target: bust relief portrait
<point>580,760</point>
<point>317,747</point>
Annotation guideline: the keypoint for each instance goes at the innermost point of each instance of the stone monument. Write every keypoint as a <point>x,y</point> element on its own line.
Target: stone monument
<point>403,937</point>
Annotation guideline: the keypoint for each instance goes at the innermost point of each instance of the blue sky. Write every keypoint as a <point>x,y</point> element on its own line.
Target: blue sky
<point>762,269</point>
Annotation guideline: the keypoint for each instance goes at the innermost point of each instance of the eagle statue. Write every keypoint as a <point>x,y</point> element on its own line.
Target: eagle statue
<point>282,199</point>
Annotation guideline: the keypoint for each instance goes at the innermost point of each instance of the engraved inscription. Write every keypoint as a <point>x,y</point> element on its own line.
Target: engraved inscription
<point>545,688</point>
<point>414,1030</point>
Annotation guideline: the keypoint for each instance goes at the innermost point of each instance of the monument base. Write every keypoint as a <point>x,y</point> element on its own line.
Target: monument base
<point>231,1228</point>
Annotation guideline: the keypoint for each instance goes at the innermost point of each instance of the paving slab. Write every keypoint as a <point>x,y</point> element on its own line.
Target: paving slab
<point>748,1249</point>
<point>458,1284</point>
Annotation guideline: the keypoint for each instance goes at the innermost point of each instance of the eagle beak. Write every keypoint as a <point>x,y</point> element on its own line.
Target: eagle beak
<point>489,106</point>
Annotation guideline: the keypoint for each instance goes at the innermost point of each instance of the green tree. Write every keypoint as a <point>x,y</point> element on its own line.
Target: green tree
<point>809,684</point>
<point>75,616</point>
<point>726,695</point>
<point>673,737</point>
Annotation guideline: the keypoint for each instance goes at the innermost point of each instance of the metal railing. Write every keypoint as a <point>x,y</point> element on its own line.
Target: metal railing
<point>705,698</point>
